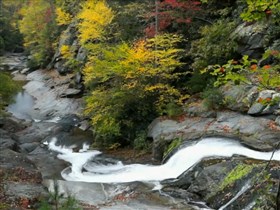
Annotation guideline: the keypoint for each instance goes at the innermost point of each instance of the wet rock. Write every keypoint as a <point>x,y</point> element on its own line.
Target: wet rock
<point>49,165</point>
<point>47,93</point>
<point>12,125</point>
<point>116,196</point>
<point>10,159</point>
<point>30,191</point>
<point>217,181</point>
<point>84,125</point>
<point>35,133</point>
<point>25,70</point>
<point>266,94</point>
<point>8,143</point>
<point>196,108</point>
<point>28,147</point>
<point>19,77</point>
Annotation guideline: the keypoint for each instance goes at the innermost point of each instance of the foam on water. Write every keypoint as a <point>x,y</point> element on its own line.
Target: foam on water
<point>174,167</point>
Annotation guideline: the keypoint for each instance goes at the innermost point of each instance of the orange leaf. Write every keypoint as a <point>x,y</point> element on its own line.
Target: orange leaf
<point>254,67</point>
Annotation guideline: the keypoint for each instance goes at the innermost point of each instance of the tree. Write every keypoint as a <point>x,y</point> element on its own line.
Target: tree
<point>131,84</point>
<point>10,37</point>
<point>171,14</point>
<point>39,30</point>
<point>95,15</point>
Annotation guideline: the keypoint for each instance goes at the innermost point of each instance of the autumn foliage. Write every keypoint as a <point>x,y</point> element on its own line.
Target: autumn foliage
<point>38,27</point>
<point>95,15</point>
<point>131,83</point>
<point>172,12</point>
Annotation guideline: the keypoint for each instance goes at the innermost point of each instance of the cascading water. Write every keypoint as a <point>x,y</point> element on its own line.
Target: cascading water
<point>83,169</point>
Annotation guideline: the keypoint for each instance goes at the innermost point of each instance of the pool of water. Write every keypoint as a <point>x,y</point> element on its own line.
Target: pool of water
<point>22,106</point>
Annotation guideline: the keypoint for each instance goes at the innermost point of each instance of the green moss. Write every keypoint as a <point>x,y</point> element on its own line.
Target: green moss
<point>3,206</point>
<point>237,173</point>
<point>174,144</point>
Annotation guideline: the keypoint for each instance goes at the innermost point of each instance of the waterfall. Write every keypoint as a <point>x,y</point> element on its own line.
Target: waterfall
<point>85,170</point>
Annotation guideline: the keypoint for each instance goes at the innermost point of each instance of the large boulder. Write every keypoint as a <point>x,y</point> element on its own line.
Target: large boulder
<point>251,38</point>
<point>256,132</point>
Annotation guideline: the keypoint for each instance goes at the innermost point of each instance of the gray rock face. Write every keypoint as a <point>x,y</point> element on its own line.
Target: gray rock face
<point>251,39</point>
<point>82,54</point>
<point>49,92</point>
<point>277,120</point>
<point>250,100</point>
<point>68,38</point>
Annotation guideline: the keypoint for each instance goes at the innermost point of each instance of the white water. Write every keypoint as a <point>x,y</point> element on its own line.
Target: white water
<point>175,166</point>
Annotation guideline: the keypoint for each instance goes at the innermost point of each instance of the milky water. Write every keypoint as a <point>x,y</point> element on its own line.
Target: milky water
<point>22,106</point>
<point>85,170</point>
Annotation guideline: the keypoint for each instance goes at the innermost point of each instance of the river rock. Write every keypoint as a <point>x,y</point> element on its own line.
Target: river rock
<point>10,159</point>
<point>257,108</point>
<point>71,92</point>
<point>30,191</point>
<point>259,133</point>
<point>8,143</point>
<point>217,181</point>
<point>249,99</point>
<point>13,62</point>
<point>28,147</point>
<point>48,92</point>
<point>12,124</point>
<point>84,125</point>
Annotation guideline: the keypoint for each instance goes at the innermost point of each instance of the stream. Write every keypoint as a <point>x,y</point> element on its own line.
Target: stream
<point>22,106</point>
<point>84,169</point>
<point>99,182</point>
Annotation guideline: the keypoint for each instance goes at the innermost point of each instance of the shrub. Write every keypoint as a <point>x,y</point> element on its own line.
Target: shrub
<point>247,71</point>
<point>261,10</point>
<point>213,98</point>
<point>8,88</point>
<point>216,45</point>
<point>131,84</point>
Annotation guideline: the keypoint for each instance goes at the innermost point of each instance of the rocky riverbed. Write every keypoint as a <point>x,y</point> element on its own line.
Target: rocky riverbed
<point>28,168</point>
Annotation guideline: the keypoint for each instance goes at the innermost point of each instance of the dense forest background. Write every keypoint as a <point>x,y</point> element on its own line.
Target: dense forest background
<point>144,59</point>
